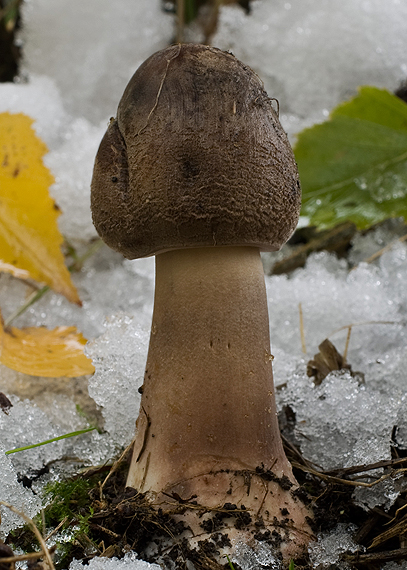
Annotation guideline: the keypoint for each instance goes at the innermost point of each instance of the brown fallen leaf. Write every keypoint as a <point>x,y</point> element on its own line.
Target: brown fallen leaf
<point>30,241</point>
<point>327,360</point>
<point>38,351</point>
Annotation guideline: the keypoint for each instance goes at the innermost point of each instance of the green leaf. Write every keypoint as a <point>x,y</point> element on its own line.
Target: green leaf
<point>353,167</point>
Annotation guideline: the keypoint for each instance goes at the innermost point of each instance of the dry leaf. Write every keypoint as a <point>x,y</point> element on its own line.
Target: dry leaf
<point>30,242</point>
<point>327,360</point>
<point>42,352</point>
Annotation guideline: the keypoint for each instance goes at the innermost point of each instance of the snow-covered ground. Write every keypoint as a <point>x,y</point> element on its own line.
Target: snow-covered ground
<point>311,55</point>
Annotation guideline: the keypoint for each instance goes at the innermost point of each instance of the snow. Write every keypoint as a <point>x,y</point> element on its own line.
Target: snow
<point>340,423</point>
<point>327,551</point>
<point>129,562</point>
<point>119,356</point>
<point>78,58</point>
<point>256,557</point>
<point>91,49</point>
<point>13,493</point>
<point>313,55</point>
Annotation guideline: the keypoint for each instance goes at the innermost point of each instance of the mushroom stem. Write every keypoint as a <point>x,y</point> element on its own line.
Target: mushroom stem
<point>207,427</point>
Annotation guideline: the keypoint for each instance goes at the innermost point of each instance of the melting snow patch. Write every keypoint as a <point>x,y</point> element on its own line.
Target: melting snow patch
<point>255,558</point>
<point>129,562</point>
<point>119,356</point>
<point>13,493</point>
<point>340,423</point>
<point>331,546</point>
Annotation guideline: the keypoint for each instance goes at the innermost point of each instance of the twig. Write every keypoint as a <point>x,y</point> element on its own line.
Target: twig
<point>56,529</point>
<point>350,482</point>
<point>383,250</point>
<point>43,523</point>
<point>35,530</point>
<point>396,530</point>
<point>115,465</point>
<point>105,530</point>
<point>180,20</point>
<point>295,451</point>
<point>22,557</point>
<point>386,556</point>
<point>366,467</point>
<point>303,345</point>
<point>77,263</point>
<point>397,514</point>
<point>363,323</point>
<point>345,352</point>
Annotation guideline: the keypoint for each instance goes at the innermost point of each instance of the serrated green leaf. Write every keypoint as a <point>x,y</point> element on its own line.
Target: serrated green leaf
<point>353,167</point>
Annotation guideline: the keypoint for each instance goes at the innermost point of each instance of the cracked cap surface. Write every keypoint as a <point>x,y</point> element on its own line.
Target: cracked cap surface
<point>196,157</point>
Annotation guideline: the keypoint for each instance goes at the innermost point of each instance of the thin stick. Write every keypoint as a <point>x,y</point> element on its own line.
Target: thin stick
<point>116,465</point>
<point>180,20</point>
<point>77,264</point>
<point>35,531</point>
<point>303,346</point>
<point>396,515</point>
<point>366,467</point>
<point>383,250</point>
<point>43,523</point>
<point>56,529</point>
<point>19,557</point>
<point>350,482</point>
<point>345,352</point>
<point>363,323</point>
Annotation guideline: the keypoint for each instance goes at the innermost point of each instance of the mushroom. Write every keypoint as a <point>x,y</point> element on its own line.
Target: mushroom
<point>197,170</point>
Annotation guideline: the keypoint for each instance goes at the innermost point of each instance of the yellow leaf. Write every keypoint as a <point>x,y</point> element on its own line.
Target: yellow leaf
<point>42,352</point>
<point>30,242</point>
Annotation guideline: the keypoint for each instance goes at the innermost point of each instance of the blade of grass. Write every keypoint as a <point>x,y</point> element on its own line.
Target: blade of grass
<point>229,562</point>
<point>30,301</point>
<point>36,295</point>
<point>65,436</point>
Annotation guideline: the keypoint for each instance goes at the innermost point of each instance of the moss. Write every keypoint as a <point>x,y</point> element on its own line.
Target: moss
<point>68,504</point>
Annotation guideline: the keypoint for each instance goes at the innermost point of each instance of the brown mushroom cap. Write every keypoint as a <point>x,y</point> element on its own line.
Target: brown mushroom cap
<point>196,157</point>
